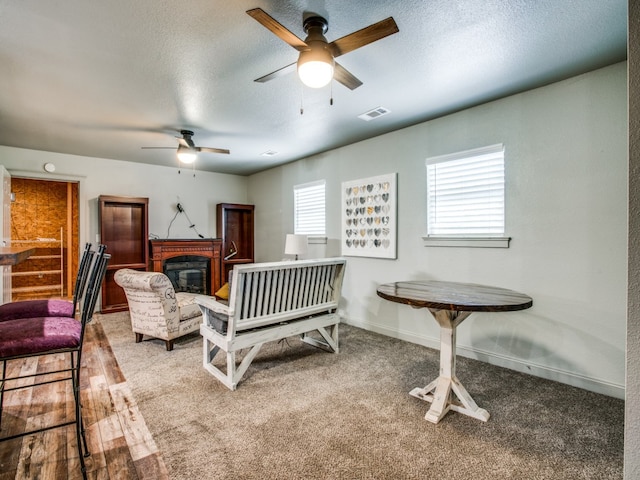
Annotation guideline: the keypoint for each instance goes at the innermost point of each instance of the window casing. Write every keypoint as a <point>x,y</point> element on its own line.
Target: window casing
<point>466,194</point>
<point>309,209</point>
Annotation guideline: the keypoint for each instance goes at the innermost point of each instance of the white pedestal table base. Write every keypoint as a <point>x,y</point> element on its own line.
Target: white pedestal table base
<point>446,392</point>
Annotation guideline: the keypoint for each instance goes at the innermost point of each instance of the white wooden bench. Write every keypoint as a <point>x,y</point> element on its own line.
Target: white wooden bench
<point>267,302</point>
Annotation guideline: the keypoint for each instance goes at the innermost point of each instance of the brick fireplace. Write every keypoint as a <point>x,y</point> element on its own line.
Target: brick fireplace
<point>193,265</point>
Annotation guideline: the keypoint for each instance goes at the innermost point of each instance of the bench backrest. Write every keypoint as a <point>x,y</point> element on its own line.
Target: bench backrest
<point>267,293</point>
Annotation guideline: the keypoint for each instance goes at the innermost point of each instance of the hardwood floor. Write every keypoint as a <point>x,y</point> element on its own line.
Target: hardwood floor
<point>120,444</point>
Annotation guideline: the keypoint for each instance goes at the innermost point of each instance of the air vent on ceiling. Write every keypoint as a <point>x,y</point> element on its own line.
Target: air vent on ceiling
<point>375,113</point>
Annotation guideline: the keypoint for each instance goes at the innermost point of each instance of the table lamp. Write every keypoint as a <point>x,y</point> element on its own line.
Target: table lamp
<point>295,245</point>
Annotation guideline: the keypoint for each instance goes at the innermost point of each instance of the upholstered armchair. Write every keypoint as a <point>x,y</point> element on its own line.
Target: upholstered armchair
<point>155,308</point>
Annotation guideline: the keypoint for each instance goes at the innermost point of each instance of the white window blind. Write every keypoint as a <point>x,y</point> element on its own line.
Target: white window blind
<point>309,209</point>
<point>465,193</point>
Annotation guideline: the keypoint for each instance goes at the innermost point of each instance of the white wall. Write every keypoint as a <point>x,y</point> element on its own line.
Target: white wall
<point>162,185</point>
<point>632,403</point>
<point>566,168</point>
<point>566,153</point>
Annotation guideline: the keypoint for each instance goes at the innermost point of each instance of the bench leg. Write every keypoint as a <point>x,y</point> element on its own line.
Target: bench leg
<point>234,372</point>
<point>246,361</point>
<point>209,351</point>
<point>330,339</point>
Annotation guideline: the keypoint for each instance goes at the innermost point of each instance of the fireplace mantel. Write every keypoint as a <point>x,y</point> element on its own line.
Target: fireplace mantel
<point>211,248</point>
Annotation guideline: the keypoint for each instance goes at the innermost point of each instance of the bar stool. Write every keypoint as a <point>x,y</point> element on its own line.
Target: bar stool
<point>34,337</point>
<point>51,307</point>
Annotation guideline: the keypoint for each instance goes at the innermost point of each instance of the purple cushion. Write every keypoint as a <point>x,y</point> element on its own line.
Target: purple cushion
<point>38,335</point>
<point>36,308</point>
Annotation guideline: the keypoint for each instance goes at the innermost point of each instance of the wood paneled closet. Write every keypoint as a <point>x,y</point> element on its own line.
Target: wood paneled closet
<point>44,214</point>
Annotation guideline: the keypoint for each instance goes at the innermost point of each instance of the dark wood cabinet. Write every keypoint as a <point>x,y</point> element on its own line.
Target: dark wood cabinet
<point>234,225</point>
<point>124,229</point>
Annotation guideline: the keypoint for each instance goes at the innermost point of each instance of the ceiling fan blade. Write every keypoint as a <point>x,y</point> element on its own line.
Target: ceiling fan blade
<point>212,150</point>
<point>276,28</point>
<point>363,37</point>
<point>342,75</point>
<point>172,148</point>
<point>278,73</point>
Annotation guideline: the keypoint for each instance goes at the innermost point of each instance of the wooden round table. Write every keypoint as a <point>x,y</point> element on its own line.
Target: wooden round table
<point>450,303</point>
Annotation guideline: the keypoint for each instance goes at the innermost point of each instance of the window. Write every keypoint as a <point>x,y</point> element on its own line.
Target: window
<point>465,194</point>
<point>309,209</point>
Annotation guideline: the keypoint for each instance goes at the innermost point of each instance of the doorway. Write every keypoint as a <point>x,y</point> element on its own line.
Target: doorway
<point>44,215</point>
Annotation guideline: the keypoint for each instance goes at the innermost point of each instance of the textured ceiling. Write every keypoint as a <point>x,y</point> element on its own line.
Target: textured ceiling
<point>105,78</point>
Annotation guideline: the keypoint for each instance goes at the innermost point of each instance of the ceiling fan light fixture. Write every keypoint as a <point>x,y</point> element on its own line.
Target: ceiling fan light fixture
<point>316,44</point>
<point>315,67</point>
<point>186,155</point>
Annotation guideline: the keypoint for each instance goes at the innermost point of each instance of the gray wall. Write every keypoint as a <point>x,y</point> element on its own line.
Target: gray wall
<point>162,185</point>
<point>566,172</point>
<point>566,154</point>
<point>632,413</point>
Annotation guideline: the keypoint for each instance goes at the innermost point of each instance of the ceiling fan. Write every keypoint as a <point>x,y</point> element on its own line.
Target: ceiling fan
<point>187,150</point>
<point>316,64</point>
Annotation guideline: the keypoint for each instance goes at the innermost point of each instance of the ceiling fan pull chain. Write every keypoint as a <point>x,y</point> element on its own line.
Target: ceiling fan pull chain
<point>331,94</point>
<point>301,100</point>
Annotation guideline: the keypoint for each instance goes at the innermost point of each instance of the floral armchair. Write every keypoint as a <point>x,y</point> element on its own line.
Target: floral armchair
<point>155,308</point>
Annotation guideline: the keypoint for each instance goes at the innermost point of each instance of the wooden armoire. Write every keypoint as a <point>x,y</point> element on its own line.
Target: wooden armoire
<point>124,229</point>
<point>234,225</point>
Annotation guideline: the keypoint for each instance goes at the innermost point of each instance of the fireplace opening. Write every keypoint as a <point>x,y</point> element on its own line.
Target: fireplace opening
<point>188,273</point>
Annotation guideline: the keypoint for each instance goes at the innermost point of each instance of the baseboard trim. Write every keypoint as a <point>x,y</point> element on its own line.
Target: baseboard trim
<point>563,376</point>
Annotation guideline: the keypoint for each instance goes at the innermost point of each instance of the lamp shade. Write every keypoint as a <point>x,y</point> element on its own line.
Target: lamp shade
<point>315,67</point>
<point>295,245</point>
<point>186,155</point>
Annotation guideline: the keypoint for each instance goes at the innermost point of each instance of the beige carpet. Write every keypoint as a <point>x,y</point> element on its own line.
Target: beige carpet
<point>304,413</point>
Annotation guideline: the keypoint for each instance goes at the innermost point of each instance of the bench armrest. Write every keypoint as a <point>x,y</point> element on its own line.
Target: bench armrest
<point>212,304</point>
